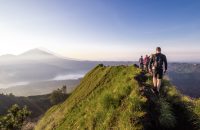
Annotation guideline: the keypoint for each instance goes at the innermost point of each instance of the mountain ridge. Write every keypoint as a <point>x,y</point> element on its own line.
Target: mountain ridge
<point>16,69</point>
<point>119,97</point>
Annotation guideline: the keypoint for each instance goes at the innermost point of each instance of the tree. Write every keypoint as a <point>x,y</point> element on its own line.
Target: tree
<point>14,118</point>
<point>57,96</point>
<point>11,95</point>
<point>64,89</point>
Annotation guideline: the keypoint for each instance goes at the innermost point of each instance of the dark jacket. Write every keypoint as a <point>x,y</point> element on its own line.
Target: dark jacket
<point>141,61</point>
<point>157,61</point>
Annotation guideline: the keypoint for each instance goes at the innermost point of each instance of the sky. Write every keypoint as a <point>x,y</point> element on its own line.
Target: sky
<point>102,29</point>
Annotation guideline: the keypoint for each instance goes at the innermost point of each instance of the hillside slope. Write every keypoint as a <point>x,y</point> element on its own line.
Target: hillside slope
<point>119,97</point>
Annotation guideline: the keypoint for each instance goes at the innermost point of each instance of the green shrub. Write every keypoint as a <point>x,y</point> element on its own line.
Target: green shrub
<point>14,118</point>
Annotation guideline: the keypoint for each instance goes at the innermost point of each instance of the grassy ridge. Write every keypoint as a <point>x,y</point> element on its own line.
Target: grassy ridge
<point>110,98</point>
<point>106,97</point>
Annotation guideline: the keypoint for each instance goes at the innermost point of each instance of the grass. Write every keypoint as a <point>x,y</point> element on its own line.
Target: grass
<point>109,98</point>
<point>105,97</point>
<point>186,109</point>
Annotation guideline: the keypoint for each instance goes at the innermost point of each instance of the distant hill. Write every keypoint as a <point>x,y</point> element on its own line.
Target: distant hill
<point>120,97</point>
<point>39,65</point>
<point>36,104</point>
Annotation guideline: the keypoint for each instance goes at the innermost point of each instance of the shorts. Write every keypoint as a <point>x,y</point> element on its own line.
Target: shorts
<point>158,73</point>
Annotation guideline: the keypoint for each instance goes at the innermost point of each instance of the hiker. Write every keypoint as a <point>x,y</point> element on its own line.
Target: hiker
<point>146,62</point>
<point>150,69</point>
<point>156,68</point>
<point>141,62</point>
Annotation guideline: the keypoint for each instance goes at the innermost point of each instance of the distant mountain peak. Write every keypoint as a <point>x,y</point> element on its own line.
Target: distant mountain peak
<point>37,52</point>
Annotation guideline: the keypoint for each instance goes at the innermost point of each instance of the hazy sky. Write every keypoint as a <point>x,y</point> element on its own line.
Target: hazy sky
<point>102,29</point>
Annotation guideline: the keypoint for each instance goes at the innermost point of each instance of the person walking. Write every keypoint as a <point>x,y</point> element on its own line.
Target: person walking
<point>146,62</point>
<point>141,62</point>
<point>156,68</point>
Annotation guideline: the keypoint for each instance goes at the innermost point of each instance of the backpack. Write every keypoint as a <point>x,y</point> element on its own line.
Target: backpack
<point>158,61</point>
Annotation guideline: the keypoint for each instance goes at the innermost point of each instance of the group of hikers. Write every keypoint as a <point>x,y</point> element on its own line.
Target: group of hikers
<point>153,64</point>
